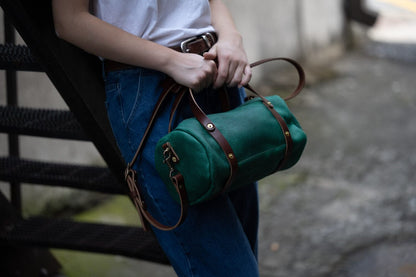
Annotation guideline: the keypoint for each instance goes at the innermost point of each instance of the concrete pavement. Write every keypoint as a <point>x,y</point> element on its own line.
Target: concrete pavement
<point>348,209</point>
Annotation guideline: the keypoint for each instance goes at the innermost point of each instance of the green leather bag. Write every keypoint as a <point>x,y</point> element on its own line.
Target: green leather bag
<point>208,155</point>
<point>257,140</point>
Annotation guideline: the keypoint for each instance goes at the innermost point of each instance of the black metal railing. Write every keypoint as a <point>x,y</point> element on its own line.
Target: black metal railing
<point>76,75</point>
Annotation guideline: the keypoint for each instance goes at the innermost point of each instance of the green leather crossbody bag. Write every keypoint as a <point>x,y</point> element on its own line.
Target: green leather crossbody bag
<point>212,154</point>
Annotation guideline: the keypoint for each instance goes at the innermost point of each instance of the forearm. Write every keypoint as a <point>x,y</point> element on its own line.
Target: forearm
<point>102,39</point>
<point>222,21</point>
<point>233,67</point>
<point>75,24</point>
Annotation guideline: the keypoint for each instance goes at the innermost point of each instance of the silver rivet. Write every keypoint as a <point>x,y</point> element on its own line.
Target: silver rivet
<point>210,126</point>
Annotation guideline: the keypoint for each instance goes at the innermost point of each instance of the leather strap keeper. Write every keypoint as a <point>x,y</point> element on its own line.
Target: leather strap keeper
<point>196,45</point>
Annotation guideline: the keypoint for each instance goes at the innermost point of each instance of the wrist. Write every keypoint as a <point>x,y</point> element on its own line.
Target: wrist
<point>160,58</point>
<point>231,36</point>
<point>170,62</point>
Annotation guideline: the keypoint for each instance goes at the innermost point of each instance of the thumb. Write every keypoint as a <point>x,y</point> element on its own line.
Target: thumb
<point>211,54</point>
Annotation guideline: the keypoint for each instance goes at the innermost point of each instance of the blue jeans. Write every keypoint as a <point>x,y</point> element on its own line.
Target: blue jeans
<point>218,237</point>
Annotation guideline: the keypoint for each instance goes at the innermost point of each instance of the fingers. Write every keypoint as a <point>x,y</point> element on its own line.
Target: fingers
<point>233,67</point>
<point>233,74</point>
<point>193,71</point>
<point>206,76</point>
<point>211,54</point>
<point>229,74</point>
<point>221,77</point>
<point>233,70</point>
<point>246,76</point>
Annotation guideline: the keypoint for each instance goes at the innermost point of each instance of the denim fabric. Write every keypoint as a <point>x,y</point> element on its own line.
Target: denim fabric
<point>218,237</point>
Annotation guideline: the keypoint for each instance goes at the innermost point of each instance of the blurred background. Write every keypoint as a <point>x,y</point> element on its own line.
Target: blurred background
<point>348,208</point>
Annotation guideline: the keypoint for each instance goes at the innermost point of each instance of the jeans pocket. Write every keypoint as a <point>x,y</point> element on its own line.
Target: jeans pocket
<point>123,96</point>
<point>131,97</point>
<point>112,88</point>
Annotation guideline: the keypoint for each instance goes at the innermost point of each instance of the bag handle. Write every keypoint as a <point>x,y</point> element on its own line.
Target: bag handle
<point>222,141</point>
<point>295,92</point>
<point>177,180</point>
<point>298,89</point>
<point>298,67</point>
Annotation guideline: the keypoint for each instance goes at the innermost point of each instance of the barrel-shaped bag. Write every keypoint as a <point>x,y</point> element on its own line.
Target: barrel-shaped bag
<point>207,155</point>
<point>257,140</point>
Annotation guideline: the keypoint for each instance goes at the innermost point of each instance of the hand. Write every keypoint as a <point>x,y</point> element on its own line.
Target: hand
<point>233,67</point>
<point>193,71</point>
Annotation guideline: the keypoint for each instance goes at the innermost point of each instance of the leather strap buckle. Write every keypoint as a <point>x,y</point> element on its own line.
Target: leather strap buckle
<point>170,158</point>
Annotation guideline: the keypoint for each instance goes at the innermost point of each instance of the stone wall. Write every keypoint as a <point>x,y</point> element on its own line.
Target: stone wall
<point>303,29</point>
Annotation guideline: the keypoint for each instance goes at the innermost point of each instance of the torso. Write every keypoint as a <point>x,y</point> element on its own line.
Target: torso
<point>167,22</point>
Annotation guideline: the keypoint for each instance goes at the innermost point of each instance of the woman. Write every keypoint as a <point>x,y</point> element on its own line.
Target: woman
<point>138,42</point>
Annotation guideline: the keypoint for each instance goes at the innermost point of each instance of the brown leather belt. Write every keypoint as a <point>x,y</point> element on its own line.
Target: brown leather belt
<point>196,45</point>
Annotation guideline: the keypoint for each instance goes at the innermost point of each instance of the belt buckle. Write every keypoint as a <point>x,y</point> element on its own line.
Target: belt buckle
<point>205,37</point>
<point>184,44</point>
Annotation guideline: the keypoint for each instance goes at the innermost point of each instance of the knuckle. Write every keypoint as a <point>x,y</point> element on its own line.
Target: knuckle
<point>194,83</point>
<point>234,82</point>
<point>222,75</point>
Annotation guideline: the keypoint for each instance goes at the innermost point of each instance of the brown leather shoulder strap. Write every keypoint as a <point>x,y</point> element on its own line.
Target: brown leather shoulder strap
<point>283,126</point>
<point>145,216</point>
<point>280,120</point>
<point>130,174</point>
<point>218,136</point>
<point>175,106</point>
<point>299,69</point>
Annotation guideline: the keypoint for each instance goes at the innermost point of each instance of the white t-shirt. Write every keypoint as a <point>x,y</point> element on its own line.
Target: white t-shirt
<point>167,22</point>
